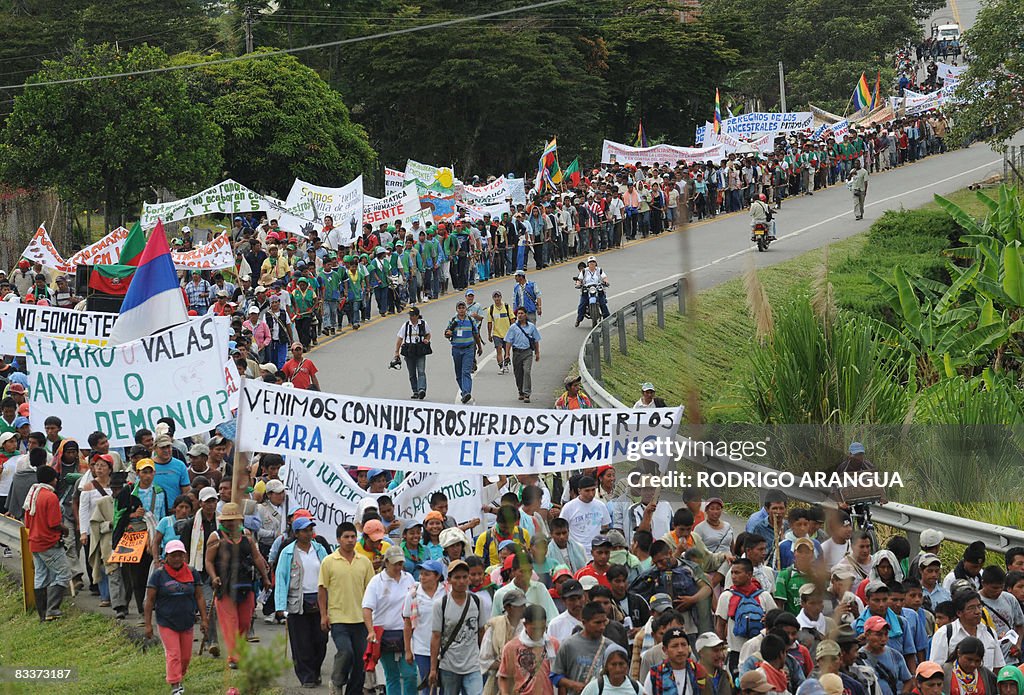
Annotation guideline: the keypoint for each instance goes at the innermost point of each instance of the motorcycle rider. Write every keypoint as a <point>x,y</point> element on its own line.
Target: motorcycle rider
<point>761,213</point>
<point>591,276</point>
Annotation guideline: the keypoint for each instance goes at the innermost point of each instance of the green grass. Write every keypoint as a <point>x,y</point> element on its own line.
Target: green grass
<point>106,658</point>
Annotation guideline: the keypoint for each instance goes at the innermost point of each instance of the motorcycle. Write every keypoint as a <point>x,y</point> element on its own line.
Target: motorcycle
<point>592,294</point>
<point>760,236</point>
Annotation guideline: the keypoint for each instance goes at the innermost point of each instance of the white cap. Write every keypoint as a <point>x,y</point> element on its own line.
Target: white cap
<point>592,258</point>
<point>708,639</point>
<point>588,582</point>
<point>275,486</point>
<point>207,493</point>
<point>930,538</point>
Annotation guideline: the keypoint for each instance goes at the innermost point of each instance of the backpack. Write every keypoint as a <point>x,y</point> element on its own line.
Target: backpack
<point>489,538</point>
<point>748,620</point>
<point>683,583</point>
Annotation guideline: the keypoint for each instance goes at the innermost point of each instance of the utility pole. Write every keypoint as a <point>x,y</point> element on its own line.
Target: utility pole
<point>782,87</point>
<point>247,21</point>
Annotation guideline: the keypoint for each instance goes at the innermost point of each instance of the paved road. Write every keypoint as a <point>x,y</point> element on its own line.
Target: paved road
<point>356,362</point>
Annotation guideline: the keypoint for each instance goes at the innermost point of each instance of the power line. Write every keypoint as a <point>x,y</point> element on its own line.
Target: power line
<point>284,51</point>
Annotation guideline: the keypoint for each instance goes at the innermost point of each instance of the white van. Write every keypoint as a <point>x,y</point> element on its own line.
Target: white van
<point>948,32</point>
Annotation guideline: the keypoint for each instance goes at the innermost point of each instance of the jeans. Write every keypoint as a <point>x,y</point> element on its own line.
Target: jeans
<point>461,683</point>
<point>52,567</point>
<point>522,364</point>
<point>309,645</point>
<point>400,676</point>
<point>417,367</point>
<point>462,356</point>
<point>423,666</point>
<point>380,295</point>
<point>350,641</point>
<point>331,314</point>
<point>581,309</point>
<point>277,352</point>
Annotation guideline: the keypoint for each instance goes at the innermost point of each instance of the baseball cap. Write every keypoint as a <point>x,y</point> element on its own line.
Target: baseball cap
<point>301,523</point>
<point>301,513</point>
<point>588,582</point>
<point>374,530</point>
<point>827,648</point>
<point>931,538</point>
<point>16,388</point>
<point>451,536</point>
<point>520,272</point>
<point>393,554</point>
<point>600,540</point>
<point>21,421</point>
<point>929,559</point>
<point>457,564</point>
<point>808,589</point>
<point>275,486</point>
<point>647,386</point>
<point>207,493</point>
<point>708,640</point>
<point>845,635</point>
<point>831,683</point>
<point>507,543</point>
<point>874,586</point>
<point>514,597</point>
<point>163,440</point>
<point>803,543</point>
<point>843,572</point>
<point>143,463</point>
<point>7,436</point>
<point>253,310</point>
<point>199,450</point>
<point>930,669</point>
<point>661,602</point>
<point>174,547</point>
<point>714,500</point>
<point>374,472</point>
<point>856,448</point>
<point>434,566</point>
<point>616,538</point>
<point>875,623</point>
<point>755,680</point>
<point>571,588</point>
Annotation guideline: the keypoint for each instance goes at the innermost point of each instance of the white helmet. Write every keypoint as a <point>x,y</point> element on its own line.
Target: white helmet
<point>592,259</point>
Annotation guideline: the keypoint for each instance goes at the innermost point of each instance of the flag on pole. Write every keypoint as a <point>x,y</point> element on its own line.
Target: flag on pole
<point>572,173</point>
<point>876,98</point>
<point>641,136</point>
<point>153,301</point>
<point>718,114</point>
<point>134,245</point>
<point>547,158</point>
<point>862,93</point>
<point>556,172</point>
<point>111,279</point>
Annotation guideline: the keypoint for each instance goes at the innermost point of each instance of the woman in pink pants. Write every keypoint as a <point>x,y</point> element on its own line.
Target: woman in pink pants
<point>234,563</point>
<point>171,593</point>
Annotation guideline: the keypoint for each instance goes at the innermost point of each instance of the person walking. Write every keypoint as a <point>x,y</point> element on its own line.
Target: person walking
<point>859,185</point>
<point>300,370</point>
<point>295,592</point>
<point>416,613</point>
<point>413,344</point>
<point>344,576</point>
<point>382,614</point>
<point>457,626</point>
<point>499,320</point>
<point>173,594</point>
<point>464,337</point>
<point>43,518</point>
<point>524,339</point>
<point>233,562</point>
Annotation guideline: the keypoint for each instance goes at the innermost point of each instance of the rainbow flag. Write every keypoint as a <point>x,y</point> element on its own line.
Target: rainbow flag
<point>718,114</point>
<point>862,93</point>
<point>876,98</point>
<point>641,136</point>
<point>547,157</point>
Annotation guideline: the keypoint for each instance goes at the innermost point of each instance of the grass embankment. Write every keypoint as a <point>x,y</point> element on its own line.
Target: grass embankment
<point>104,656</point>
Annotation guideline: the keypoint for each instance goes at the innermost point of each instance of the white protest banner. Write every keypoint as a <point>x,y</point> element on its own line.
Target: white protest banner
<point>612,152</point>
<point>394,181</point>
<point>706,135</point>
<point>344,205</point>
<point>216,254</point>
<point>477,212</point>
<point>437,438</point>
<point>758,123</point>
<point>489,194</point>
<point>179,373</point>
<point>106,251</point>
<point>404,206</point>
<point>430,178</point>
<point>517,189</point>
<point>40,249</point>
<point>227,198</point>
<point>18,321</point>
<point>946,71</point>
<point>331,496</point>
<point>764,144</point>
<point>840,130</point>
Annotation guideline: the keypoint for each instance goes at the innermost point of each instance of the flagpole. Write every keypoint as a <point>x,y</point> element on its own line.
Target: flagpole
<point>241,456</point>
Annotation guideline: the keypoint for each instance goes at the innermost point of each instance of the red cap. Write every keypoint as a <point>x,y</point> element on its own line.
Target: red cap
<point>301,514</point>
<point>507,564</point>
<point>23,264</point>
<point>875,623</point>
<point>601,470</point>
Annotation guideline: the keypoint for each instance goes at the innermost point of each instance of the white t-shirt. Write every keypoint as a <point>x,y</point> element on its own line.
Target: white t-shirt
<point>385,597</point>
<point>563,626</point>
<point>585,520</point>
<point>593,687</point>
<point>833,552</point>
<point>421,632</point>
<point>736,642</point>
<point>310,568</point>
<point>7,475</point>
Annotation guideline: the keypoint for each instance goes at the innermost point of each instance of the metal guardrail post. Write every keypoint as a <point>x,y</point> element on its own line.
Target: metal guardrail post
<point>639,313</point>
<point>620,324</point>
<point>681,294</point>
<point>606,342</point>
<point>659,303</point>
<point>595,359</point>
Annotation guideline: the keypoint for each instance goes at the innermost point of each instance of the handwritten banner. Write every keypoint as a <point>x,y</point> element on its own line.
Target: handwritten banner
<point>436,438</point>
<point>344,205</point>
<point>404,206</point>
<point>106,251</point>
<point>40,249</point>
<point>130,548</point>
<point>216,254</point>
<point>179,373</point>
<point>394,181</point>
<point>492,193</point>
<point>17,321</point>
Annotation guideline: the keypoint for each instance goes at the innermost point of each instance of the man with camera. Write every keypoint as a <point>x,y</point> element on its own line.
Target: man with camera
<point>464,337</point>
<point>414,345</point>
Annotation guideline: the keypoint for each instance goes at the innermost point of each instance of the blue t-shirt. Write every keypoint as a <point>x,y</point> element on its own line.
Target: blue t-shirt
<point>175,601</point>
<point>171,476</point>
<point>888,665</point>
<point>166,527</point>
<point>154,499</point>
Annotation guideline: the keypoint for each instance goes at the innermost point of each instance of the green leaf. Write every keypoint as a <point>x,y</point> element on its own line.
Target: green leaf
<point>1013,274</point>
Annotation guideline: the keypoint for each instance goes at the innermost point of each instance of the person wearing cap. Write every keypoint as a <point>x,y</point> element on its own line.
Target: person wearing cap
<point>790,579</point>
<point>600,552</point>
<point>170,474</point>
<point>740,611</point>
<point>505,624</point>
<point>799,527</point>
<point>499,320</point>
<point>573,398</point>
<point>196,536</point>
<point>199,465</point>
<point>931,542</point>
<point>233,561</point>
<point>281,332</point>
<point>464,336</point>
<point>255,323</point>
<point>272,516</point>
<point>382,616</point>
<point>520,566</point>
<point>647,397</point>
<point>433,526</point>
<point>587,517</point>
<point>300,370</point>
<point>457,626</point>
<point>840,603</point>
<point>931,570</point>
<point>887,662</point>
<point>968,568</point>
<point>566,622</point>
<point>754,682</point>
<point>716,533</point>
<point>413,343</point>
<point>526,294</point>
<point>900,637</point>
<point>1010,681</point>
<point>711,653</point>
<point>417,609</point>
<point>173,595</point>
<point>373,543</point>
<point>304,304</point>
<point>591,276</point>
<point>815,626</point>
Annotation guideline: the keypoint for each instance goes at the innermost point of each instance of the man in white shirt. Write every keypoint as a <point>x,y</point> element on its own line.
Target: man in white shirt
<point>587,516</point>
<point>571,618</point>
<point>967,605</point>
<point>838,545</point>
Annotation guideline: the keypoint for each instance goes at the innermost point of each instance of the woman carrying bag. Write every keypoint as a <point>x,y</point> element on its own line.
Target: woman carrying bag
<point>413,344</point>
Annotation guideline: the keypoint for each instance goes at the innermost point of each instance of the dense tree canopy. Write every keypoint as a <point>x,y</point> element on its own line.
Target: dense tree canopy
<point>110,142</point>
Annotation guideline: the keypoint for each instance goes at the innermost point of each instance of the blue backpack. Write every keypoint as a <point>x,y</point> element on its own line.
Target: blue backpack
<point>748,620</point>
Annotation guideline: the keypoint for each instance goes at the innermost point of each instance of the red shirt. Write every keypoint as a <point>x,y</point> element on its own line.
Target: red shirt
<point>44,525</point>
<point>589,571</point>
<point>301,375</point>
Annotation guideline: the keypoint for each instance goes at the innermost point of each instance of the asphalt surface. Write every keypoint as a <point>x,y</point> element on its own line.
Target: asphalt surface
<point>709,252</point>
